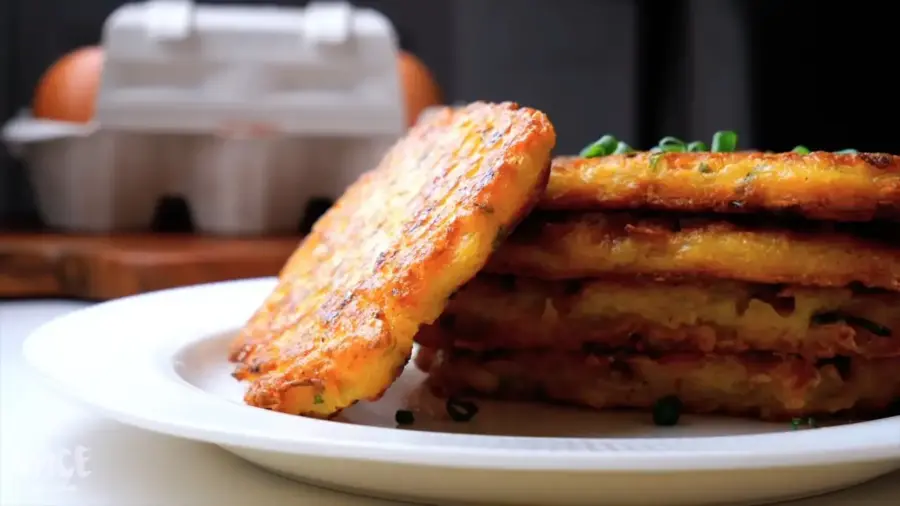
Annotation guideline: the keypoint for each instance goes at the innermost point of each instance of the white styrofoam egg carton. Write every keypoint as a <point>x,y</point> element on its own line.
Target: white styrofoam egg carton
<point>246,112</point>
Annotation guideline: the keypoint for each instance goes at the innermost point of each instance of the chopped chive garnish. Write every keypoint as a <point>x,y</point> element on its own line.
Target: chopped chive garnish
<point>601,147</point>
<point>667,411</point>
<point>874,328</point>
<point>826,318</point>
<point>622,149</point>
<point>461,411</point>
<point>846,152</point>
<point>609,143</point>
<point>404,417</point>
<point>704,168</point>
<point>697,147</point>
<point>318,399</point>
<point>671,145</point>
<point>831,317</point>
<point>801,150</point>
<point>810,422</point>
<point>724,142</point>
<point>592,151</point>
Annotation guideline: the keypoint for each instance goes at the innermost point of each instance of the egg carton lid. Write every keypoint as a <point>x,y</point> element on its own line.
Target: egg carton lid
<point>325,69</point>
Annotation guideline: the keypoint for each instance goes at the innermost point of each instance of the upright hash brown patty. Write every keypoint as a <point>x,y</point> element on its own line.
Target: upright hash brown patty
<point>339,326</point>
<point>642,316</point>
<point>568,245</point>
<point>759,386</point>
<point>819,185</point>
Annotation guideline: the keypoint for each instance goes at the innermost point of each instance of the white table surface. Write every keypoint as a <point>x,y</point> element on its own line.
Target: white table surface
<point>56,453</point>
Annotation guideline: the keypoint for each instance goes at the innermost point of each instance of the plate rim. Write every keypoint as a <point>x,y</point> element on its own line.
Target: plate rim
<point>230,424</point>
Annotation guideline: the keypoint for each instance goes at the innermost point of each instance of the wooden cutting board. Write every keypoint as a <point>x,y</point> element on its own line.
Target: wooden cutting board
<point>106,267</point>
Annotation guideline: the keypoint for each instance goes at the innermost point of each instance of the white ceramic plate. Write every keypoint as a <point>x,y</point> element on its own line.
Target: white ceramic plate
<point>158,361</point>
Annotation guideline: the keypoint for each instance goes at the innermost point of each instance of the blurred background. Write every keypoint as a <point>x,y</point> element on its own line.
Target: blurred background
<point>778,72</point>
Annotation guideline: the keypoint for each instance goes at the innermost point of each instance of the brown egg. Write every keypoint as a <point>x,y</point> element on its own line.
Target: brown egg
<point>68,89</point>
<point>419,87</point>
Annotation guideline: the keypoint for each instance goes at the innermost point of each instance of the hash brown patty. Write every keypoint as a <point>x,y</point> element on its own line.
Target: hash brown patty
<point>569,245</point>
<point>643,316</point>
<point>818,185</point>
<point>757,386</point>
<point>339,326</point>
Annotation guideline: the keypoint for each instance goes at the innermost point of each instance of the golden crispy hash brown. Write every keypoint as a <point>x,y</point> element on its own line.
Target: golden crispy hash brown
<point>758,386</point>
<point>666,246</point>
<point>339,326</point>
<point>642,316</point>
<point>826,186</point>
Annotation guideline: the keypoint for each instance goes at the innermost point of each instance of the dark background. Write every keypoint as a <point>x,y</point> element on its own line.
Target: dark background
<point>780,72</point>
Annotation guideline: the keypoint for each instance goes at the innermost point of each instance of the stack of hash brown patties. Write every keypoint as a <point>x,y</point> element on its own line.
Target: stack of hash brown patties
<point>743,283</point>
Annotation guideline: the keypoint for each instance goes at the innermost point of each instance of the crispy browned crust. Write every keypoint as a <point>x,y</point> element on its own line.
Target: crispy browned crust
<point>339,326</point>
<point>820,185</point>
<point>665,246</point>
<point>763,387</point>
<point>643,316</point>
